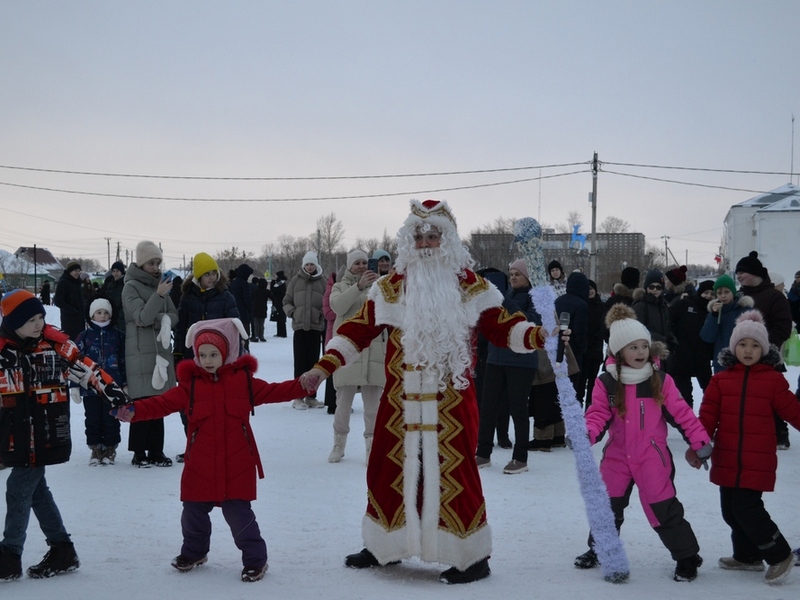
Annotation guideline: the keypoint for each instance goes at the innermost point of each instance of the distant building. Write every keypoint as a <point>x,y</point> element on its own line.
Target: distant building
<point>29,267</point>
<point>615,251</point>
<point>768,224</point>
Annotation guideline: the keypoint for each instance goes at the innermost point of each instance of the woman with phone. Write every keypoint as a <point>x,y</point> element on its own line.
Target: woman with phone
<point>150,315</point>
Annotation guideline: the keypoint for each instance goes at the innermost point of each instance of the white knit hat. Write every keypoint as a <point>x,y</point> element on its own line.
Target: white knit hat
<point>750,324</point>
<point>624,328</point>
<point>355,255</point>
<point>311,257</point>
<point>99,303</point>
<point>146,251</point>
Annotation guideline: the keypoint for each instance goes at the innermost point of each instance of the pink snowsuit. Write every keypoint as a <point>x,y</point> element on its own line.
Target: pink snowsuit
<point>637,453</point>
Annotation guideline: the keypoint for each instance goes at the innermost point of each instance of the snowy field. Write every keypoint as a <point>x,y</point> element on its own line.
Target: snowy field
<point>125,523</point>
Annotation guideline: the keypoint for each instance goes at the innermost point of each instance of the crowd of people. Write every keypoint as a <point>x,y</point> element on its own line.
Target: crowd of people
<point>444,359</point>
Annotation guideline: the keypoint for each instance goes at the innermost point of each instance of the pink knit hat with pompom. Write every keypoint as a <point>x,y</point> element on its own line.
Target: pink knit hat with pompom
<point>750,324</point>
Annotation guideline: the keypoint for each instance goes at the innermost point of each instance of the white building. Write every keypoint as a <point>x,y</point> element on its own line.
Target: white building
<point>768,224</point>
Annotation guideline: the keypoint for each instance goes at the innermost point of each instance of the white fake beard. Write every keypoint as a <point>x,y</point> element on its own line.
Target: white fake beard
<point>436,332</point>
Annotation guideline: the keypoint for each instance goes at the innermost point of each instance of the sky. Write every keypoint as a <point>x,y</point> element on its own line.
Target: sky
<point>125,523</point>
<point>357,89</point>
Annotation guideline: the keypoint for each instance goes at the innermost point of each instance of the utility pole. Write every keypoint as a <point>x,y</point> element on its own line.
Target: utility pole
<point>666,250</point>
<point>108,247</point>
<point>593,251</point>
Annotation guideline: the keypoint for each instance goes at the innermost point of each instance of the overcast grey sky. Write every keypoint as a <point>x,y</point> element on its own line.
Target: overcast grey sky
<point>313,89</point>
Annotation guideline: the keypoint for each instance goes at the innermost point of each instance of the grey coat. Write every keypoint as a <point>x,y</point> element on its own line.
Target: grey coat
<point>143,311</point>
<point>368,369</point>
<point>303,302</point>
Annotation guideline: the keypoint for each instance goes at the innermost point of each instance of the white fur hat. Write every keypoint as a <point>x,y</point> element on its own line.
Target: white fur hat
<point>436,213</point>
<point>624,328</point>
<point>353,256</point>
<point>750,324</point>
<point>99,303</point>
<point>147,251</point>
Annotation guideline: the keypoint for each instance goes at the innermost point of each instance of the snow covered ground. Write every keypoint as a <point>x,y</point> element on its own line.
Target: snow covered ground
<point>125,523</point>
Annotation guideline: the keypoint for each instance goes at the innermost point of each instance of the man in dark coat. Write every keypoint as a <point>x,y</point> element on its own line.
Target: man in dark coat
<point>693,356</point>
<point>112,291</point>
<point>278,291</point>
<point>652,311</point>
<point>70,299</point>
<point>594,357</point>
<point>240,288</point>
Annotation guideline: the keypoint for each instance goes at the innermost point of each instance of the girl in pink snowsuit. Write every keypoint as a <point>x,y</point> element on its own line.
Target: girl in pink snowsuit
<point>634,401</point>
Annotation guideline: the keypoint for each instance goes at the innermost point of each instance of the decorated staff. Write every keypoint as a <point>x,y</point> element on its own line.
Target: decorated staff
<point>608,545</point>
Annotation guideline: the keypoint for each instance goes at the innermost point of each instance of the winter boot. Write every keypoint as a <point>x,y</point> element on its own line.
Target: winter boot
<point>474,572</point>
<point>339,442</point>
<point>96,457</point>
<point>10,565</point>
<point>686,568</point>
<point>587,560</point>
<point>140,461</point>
<point>368,446</point>
<point>729,563</point>
<point>109,456</point>
<point>250,574</point>
<point>364,560</point>
<point>559,435</point>
<point>542,439</point>
<point>185,564</point>
<point>61,558</point>
<point>778,572</point>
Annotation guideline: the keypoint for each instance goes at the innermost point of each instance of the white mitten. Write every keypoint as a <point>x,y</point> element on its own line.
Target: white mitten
<point>75,395</point>
<point>165,331</point>
<point>160,372</point>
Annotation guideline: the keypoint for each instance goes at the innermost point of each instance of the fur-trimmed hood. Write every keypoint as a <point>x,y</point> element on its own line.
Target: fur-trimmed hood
<point>741,302</point>
<point>728,359</point>
<point>620,289</point>
<point>658,353</point>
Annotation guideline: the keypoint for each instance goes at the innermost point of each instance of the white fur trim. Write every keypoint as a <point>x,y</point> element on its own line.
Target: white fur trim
<point>516,338</point>
<point>431,492</point>
<point>345,347</point>
<point>411,470</point>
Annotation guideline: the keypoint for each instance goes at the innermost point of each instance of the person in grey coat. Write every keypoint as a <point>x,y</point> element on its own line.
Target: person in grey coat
<point>150,316</point>
<point>303,305</point>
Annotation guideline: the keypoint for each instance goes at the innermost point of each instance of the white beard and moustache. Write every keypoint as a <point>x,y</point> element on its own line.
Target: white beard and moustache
<point>436,331</point>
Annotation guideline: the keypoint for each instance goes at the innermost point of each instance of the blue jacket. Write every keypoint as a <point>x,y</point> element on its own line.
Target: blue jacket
<point>717,329</point>
<point>518,300</point>
<point>106,347</point>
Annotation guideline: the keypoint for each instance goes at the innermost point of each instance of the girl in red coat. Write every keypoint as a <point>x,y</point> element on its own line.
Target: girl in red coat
<point>737,411</point>
<point>218,393</point>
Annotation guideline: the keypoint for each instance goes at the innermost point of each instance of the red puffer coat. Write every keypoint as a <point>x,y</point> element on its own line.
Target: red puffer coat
<point>221,455</point>
<point>737,412</point>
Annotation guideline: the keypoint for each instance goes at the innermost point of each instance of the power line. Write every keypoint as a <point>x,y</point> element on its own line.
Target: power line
<point>311,178</point>
<point>306,199</point>
<point>703,185</point>
<point>707,170</point>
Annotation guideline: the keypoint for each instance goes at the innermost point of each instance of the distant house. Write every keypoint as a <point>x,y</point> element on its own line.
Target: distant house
<point>29,267</point>
<point>769,224</point>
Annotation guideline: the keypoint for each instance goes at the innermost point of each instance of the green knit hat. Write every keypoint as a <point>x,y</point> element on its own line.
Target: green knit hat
<point>725,281</point>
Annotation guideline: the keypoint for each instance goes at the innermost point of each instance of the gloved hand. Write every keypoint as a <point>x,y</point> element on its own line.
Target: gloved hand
<point>75,395</point>
<point>704,454</point>
<point>81,374</point>
<point>160,375</point>
<point>165,332</point>
<point>125,413</point>
<point>115,395</point>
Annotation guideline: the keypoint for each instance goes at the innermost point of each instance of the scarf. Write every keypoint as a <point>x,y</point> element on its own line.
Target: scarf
<point>631,376</point>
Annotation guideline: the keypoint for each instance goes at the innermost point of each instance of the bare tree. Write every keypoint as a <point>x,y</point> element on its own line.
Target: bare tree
<point>90,265</point>
<point>500,225</point>
<point>228,260</point>
<point>573,218</point>
<point>330,233</point>
<point>614,225</point>
<point>654,257</point>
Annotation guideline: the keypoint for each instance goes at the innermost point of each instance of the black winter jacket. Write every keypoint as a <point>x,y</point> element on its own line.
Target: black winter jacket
<point>70,299</point>
<point>196,305</point>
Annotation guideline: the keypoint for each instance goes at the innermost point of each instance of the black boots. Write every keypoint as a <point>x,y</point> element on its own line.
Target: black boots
<point>686,568</point>
<point>10,564</point>
<point>364,560</point>
<point>474,572</point>
<point>61,558</point>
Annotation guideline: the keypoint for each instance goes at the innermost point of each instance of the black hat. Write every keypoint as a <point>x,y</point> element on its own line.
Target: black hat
<point>707,285</point>
<point>72,265</point>
<point>654,276</point>
<point>554,264</point>
<point>119,266</point>
<point>630,277</point>
<point>280,275</point>
<point>751,264</point>
<point>593,285</point>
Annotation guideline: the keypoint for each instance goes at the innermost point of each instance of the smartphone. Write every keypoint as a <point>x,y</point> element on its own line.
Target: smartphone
<point>372,265</point>
<point>166,277</point>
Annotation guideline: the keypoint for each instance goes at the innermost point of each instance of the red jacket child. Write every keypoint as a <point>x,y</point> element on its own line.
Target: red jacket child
<point>221,457</point>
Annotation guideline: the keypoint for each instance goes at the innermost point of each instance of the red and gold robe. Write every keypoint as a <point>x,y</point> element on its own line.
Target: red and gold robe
<point>423,451</point>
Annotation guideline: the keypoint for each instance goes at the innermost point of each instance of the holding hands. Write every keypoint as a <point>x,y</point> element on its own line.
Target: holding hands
<point>124,413</point>
<point>698,458</point>
<point>311,379</point>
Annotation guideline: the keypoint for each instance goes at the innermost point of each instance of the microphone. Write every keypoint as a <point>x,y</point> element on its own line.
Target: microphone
<point>563,325</point>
